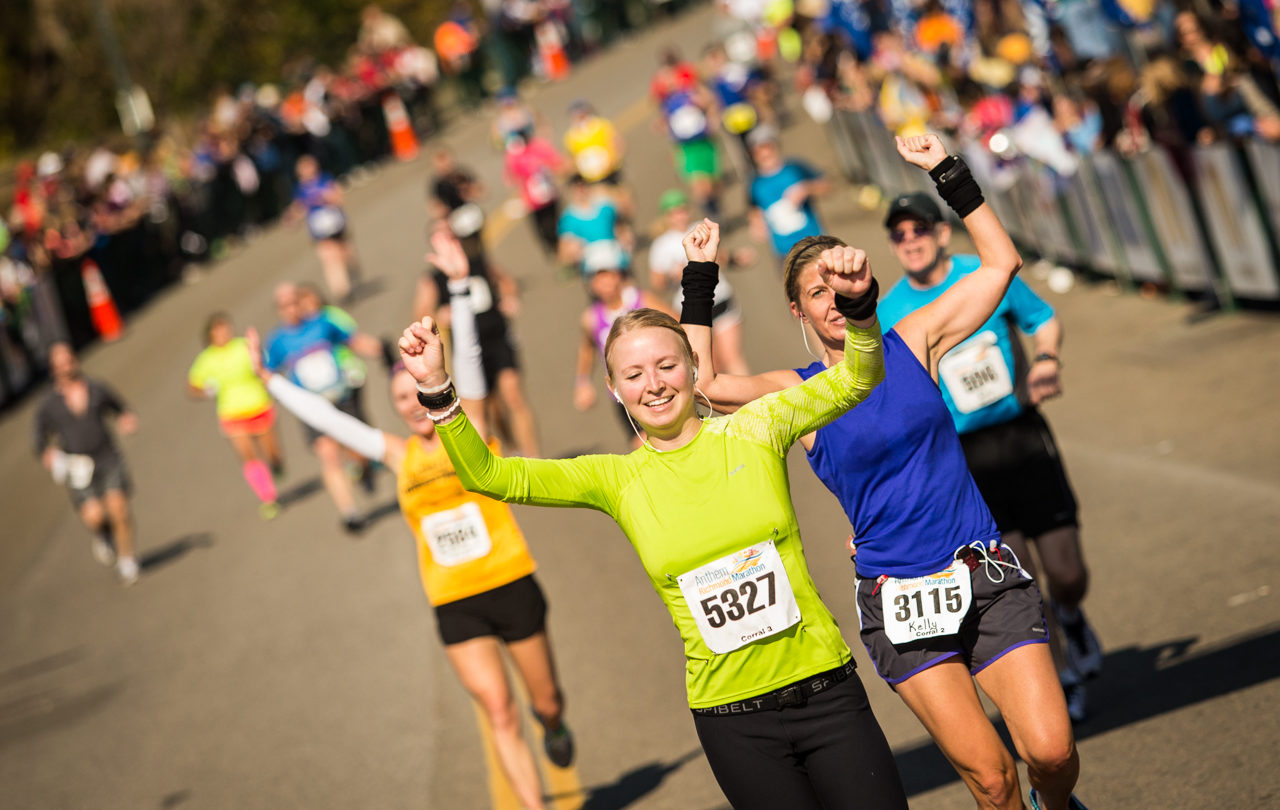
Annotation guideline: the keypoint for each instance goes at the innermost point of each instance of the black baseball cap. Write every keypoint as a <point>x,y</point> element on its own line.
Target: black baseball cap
<point>916,205</point>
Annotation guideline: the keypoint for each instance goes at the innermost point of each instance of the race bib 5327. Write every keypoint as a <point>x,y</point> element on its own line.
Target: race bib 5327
<point>740,598</point>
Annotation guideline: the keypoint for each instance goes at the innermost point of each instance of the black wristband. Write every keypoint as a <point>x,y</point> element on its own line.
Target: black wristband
<point>862,307</point>
<point>440,401</point>
<point>956,185</point>
<point>699,286</point>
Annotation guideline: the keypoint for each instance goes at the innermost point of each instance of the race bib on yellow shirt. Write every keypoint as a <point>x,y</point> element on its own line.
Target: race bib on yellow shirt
<point>457,536</point>
<point>976,374</point>
<point>741,598</point>
<point>925,607</point>
<point>593,162</point>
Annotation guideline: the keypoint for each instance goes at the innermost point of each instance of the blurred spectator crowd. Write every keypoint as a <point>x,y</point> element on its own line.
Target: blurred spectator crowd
<point>145,210</point>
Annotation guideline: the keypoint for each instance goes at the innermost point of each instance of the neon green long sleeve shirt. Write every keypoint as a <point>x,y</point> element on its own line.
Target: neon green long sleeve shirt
<point>705,514</point>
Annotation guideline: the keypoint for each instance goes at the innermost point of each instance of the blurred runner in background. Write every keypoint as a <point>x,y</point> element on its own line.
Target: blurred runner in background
<point>86,458</point>
<point>224,371</point>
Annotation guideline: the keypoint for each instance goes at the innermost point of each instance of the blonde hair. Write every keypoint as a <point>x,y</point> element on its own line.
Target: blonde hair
<point>801,255</point>
<point>644,318</point>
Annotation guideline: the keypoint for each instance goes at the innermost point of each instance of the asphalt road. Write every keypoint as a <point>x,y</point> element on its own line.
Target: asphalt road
<point>283,664</point>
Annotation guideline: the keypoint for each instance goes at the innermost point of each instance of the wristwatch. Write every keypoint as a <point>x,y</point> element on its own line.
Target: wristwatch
<point>1047,356</point>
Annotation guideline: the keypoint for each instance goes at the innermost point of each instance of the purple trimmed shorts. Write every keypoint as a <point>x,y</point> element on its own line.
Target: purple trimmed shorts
<point>1003,616</point>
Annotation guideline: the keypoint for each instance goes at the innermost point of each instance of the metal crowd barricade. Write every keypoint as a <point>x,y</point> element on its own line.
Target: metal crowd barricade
<point>1236,227</point>
<point>1172,215</point>
<point>1134,218</point>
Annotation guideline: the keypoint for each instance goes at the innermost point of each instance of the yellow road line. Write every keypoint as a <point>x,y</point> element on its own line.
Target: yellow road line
<point>562,784</point>
<point>500,792</point>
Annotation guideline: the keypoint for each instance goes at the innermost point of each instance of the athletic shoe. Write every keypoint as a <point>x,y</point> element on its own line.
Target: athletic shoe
<point>1077,701</point>
<point>127,569</point>
<point>269,510</point>
<point>1073,803</point>
<point>367,480</point>
<point>559,745</point>
<point>354,524</point>
<point>103,551</point>
<point>1084,653</point>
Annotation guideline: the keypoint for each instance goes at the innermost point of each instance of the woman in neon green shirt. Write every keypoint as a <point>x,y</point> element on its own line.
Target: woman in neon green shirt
<point>224,371</point>
<point>780,712</point>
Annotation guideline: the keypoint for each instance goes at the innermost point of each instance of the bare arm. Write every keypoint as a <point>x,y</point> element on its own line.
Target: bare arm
<point>933,330</point>
<point>584,392</point>
<point>1043,379</point>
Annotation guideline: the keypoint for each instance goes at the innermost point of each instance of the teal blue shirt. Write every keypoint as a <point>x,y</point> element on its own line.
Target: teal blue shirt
<point>980,377</point>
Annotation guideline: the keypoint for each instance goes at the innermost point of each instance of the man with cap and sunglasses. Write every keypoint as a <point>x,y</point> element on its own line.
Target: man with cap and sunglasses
<point>993,391</point>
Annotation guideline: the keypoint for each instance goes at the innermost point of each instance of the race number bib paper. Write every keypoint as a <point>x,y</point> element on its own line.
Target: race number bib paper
<point>925,607</point>
<point>741,598</point>
<point>975,374</point>
<point>457,536</point>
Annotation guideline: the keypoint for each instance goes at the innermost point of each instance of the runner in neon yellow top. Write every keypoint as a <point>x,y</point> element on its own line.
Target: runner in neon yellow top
<point>706,505</point>
<point>224,370</point>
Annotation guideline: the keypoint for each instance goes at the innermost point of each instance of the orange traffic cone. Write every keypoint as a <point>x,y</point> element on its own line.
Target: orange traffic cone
<point>102,308</point>
<point>404,144</point>
<point>555,61</point>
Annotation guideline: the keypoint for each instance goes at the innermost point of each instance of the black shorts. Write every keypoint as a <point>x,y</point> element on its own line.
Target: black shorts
<point>512,612</point>
<point>109,475</point>
<point>546,223</point>
<point>350,405</point>
<point>1019,472</point>
<point>829,754</point>
<point>497,354</point>
<point>1003,616</point>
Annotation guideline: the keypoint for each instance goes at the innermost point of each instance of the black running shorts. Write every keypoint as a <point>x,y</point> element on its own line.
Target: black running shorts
<point>1002,617</point>
<point>512,612</point>
<point>497,354</point>
<point>1020,474</point>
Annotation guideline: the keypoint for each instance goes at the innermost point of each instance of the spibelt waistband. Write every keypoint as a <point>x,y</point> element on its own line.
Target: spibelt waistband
<point>790,696</point>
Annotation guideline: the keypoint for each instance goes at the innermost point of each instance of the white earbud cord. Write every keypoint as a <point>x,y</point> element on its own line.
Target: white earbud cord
<point>696,392</point>
<point>804,335</point>
<point>996,564</point>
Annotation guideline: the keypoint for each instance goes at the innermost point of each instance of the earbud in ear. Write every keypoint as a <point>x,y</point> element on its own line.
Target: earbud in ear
<point>695,375</point>
<point>615,396</point>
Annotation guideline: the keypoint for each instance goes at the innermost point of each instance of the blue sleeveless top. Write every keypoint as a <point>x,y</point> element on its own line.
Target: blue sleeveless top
<point>895,464</point>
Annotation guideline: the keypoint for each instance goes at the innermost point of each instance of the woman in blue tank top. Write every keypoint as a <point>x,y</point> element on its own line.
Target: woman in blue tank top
<point>941,600</point>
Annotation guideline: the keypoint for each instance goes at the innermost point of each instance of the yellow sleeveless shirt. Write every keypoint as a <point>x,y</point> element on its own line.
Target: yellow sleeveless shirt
<point>467,543</point>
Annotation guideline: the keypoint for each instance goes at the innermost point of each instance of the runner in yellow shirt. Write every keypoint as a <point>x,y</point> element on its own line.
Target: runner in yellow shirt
<point>475,566</point>
<point>597,149</point>
<point>224,371</point>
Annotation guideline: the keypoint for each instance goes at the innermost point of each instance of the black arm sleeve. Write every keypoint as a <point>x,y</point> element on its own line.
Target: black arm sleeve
<point>699,286</point>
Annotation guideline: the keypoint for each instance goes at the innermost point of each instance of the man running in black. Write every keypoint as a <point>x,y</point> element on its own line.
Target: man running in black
<point>86,459</point>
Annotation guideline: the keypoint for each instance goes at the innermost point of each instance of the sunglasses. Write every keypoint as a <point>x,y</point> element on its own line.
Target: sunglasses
<point>900,235</point>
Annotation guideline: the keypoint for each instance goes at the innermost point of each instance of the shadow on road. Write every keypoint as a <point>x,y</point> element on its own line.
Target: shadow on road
<point>1137,684</point>
<point>45,709</point>
<point>391,507</point>
<point>299,491</point>
<point>633,785</point>
<point>163,555</point>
